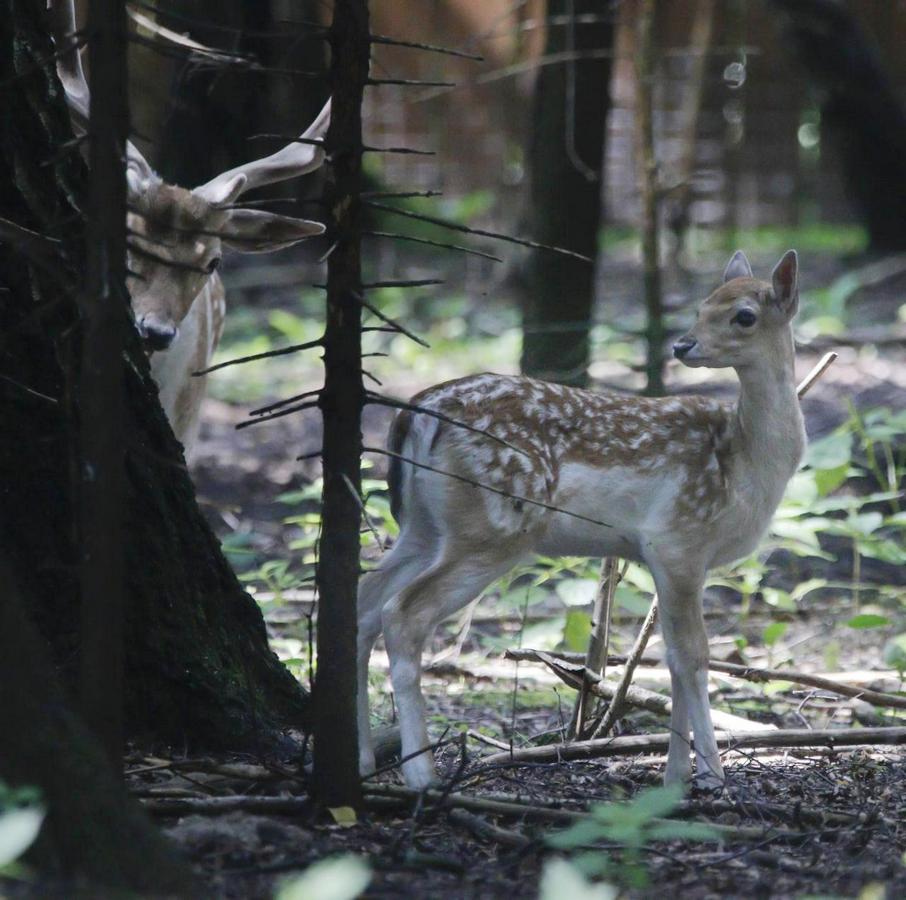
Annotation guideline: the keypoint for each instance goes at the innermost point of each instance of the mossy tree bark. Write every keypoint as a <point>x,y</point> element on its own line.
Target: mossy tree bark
<point>198,667</point>
<point>565,161</point>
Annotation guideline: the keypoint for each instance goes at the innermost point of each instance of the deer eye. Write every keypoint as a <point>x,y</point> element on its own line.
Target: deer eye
<point>213,264</point>
<point>744,317</point>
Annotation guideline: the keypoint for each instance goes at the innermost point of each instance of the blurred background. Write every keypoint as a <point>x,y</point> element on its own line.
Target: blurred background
<point>651,138</point>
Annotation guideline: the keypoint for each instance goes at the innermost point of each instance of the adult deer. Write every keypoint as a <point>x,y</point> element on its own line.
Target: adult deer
<point>177,237</point>
<point>684,484</point>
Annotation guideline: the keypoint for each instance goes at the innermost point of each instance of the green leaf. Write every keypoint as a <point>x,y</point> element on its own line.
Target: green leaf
<point>895,653</point>
<point>577,591</point>
<point>340,878</point>
<point>577,629</point>
<point>581,834</point>
<point>830,452</point>
<point>18,830</point>
<point>560,879</point>
<point>774,632</point>
<point>868,620</point>
<point>828,479</point>
<point>658,801</point>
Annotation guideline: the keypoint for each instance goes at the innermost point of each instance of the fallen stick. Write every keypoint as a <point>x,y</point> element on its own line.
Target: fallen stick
<point>546,813</point>
<point>751,673</point>
<point>575,675</point>
<point>615,710</point>
<point>657,743</point>
<point>481,828</point>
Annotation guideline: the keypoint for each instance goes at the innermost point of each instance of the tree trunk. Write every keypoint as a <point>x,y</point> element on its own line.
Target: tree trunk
<point>861,114</point>
<point>93,831</point>
<point>565,161</point>
<point>336,763</point>
<point>198,667</point>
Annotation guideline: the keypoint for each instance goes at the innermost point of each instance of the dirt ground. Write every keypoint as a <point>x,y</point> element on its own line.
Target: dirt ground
<point>820,822</point>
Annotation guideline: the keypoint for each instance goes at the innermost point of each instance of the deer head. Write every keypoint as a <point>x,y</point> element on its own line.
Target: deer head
<point>741,323</point>
<point>176,235</point>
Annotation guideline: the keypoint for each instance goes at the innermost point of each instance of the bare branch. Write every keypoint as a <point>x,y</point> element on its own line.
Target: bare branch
<point>280,403</point>
<point>484,487</point>
<point>277,415</point>
<point>418,240</point>
<point>465,229</point>
<point>432,48</point>
<point>282,351</point>
<point>396,325</point>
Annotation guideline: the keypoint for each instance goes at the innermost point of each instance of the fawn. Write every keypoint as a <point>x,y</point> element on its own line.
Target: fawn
<point>683,484</point>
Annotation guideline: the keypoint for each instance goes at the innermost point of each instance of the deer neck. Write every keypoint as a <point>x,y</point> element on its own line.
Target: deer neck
<point>768,430</point>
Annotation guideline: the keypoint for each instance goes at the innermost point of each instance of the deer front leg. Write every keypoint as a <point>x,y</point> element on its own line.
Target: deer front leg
<point>684,632</point>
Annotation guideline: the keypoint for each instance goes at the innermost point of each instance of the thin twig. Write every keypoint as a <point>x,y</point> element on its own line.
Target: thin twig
<point>629,745</point>
<point>364,511</point>
<point>393,403</point>
<point>485,487</point>
<point>616,705</point>
<point>430,243</point>
<point>396,325</point>
<point>282,351</point>
<point>432,48</point>
<point>806,384</point>
<point>757,674</point>
<point>288,411</point>
<point>481,232</point>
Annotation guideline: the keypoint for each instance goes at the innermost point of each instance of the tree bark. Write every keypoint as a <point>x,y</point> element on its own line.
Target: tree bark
<point>861,114</point>
<point>565,161</point>
<point>93,831</point>
<point>336,757</point>
<point>198,669</point>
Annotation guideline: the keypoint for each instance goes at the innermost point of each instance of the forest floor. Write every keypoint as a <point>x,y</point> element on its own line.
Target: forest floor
<point>809,821</point>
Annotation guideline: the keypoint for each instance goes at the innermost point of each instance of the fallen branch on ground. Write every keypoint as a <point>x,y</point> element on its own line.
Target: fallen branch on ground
<point>576,674</point>
<point>657,743</point>
<point>750,673</point>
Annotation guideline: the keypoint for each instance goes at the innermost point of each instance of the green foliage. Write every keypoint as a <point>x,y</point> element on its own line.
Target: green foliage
<point>631,827</point>
<point>339,878</point>
<point>21,817</point>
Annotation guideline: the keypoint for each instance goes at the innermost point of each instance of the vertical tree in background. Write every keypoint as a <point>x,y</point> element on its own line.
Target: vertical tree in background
<point>565,159</point>
<point>336,757</point>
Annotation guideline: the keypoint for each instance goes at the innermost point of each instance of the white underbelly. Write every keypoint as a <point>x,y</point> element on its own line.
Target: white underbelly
<point>631,505</point>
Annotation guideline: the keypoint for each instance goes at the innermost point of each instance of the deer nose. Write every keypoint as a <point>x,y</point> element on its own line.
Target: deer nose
<point>156,335</point>
<point>683,346</point>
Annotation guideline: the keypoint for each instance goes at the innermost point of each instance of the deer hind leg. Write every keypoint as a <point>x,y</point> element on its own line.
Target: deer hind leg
<point>408,620</point>
<point>684,632</point>
<point>414,551</point>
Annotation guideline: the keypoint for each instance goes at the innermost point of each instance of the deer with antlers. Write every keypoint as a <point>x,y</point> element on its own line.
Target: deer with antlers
<point>177,238</point>
<point>682,484</point>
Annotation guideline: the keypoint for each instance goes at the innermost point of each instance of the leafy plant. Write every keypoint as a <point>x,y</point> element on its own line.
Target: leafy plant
<point>629,827</point>
<point>339,878</point>
<point>21,817</point>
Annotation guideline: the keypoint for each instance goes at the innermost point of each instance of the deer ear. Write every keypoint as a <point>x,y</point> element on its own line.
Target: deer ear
<point>785,281</point>
<point>257,231</point>
<point>737,267</point>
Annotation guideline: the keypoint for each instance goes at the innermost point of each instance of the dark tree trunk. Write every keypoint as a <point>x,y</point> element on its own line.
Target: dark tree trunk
<point>93,831</point>
<point>861,114</point>
<point>565,161</point>
<point>198,668</point>
<point>336,748</point>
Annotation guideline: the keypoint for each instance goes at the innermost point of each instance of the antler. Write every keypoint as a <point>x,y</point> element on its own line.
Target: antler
<point>295,159</point>
<point>75,85</point>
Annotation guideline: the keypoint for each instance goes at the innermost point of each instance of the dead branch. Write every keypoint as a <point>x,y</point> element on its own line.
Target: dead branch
<point>616,705</point>
<point>806,384</point>
<point>282,351</point>
<point>757,674</point>
<point>432,48</point>
<point>485,487</point>
<point>657,743</point>
<point>392,322</point>
<point>575,675</point>
<point>465,229</point>
<point>419,240</point>
<point>484,830</point>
